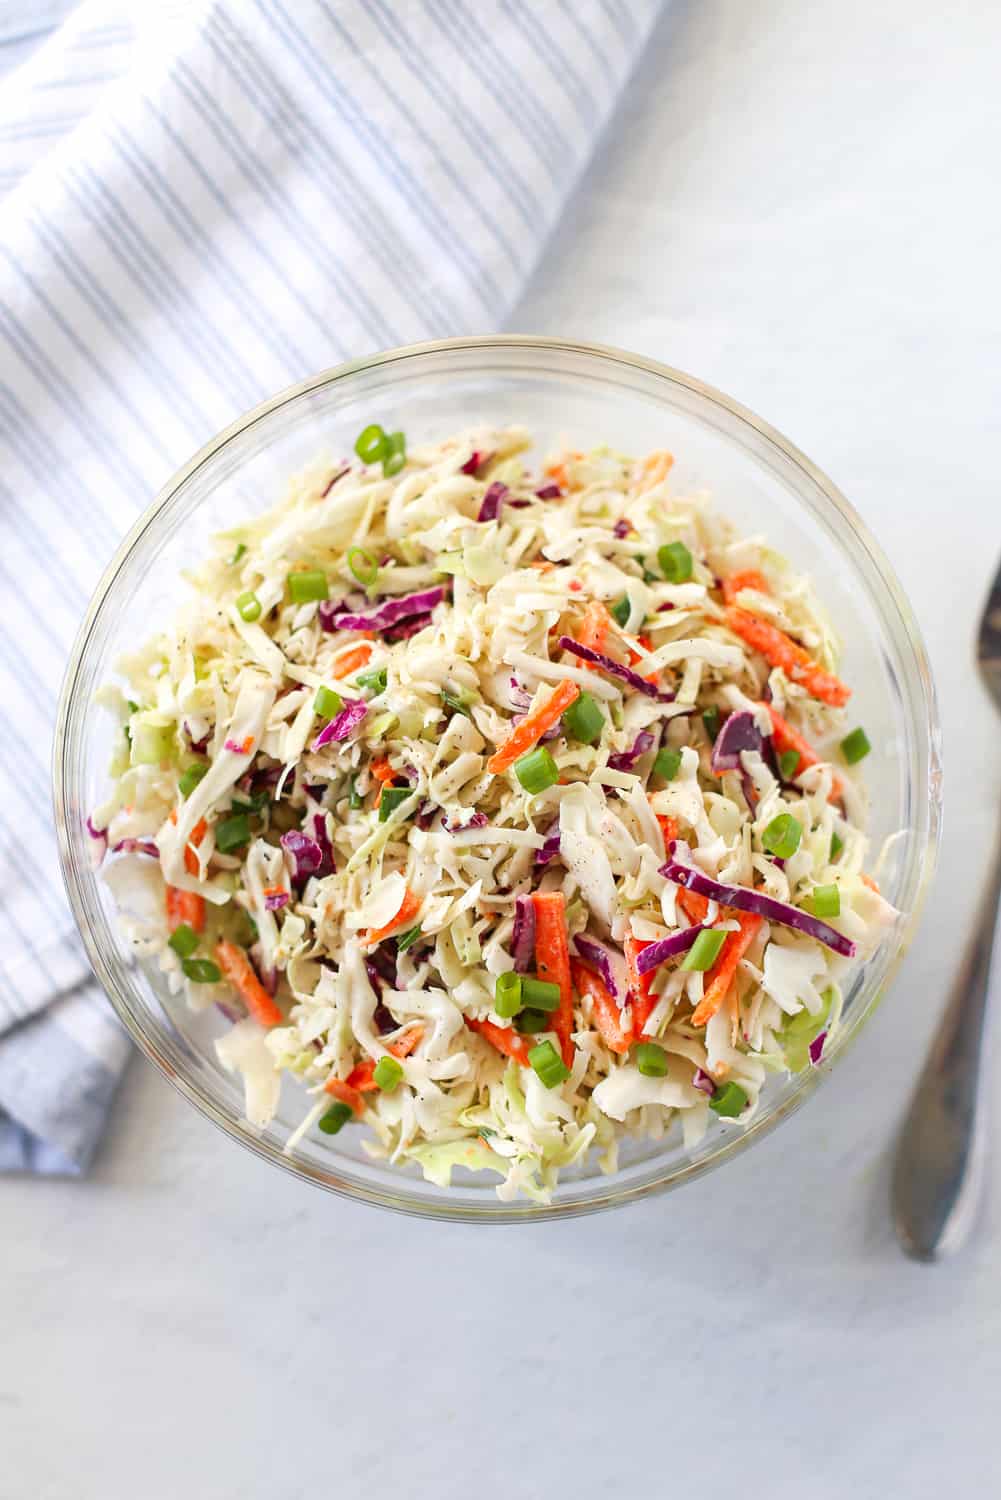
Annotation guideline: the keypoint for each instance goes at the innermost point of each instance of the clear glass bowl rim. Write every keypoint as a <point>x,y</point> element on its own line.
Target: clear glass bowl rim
<point>854,536</point>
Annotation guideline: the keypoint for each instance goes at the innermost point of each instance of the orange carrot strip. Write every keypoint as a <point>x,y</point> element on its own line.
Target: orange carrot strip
<point>409,908</point>
<point>655,469</point>
<point>784,737</point>
<point>693,905</point>
<point>384,774</point>
<point>721,975</point>
<point>594,626</point>
<point>185,907</point>
<point>749,578</point>
<point>191,860</point>
<point>872,884</point>
<point>533,726</point>
<point>776,647</point>
<point>504,1038</point>
<point>346,1094</point>
<point>238,969</point>
<point>639,985</point>
<point>353,659</point>
<point>607,1016</point>
<point>362,1077</point>
<point>552,962</point>
<point>668,827</point>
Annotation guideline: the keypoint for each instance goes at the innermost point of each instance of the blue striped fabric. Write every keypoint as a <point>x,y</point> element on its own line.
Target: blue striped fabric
<point>203,201</point>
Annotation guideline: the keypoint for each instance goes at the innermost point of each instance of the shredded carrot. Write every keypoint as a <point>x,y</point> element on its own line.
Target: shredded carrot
<point>668,827</point>
<point>693,905</point>
<point>594,626</point>
<point>191,861</point>
<point>872,884</point>
<point>776,647</point>
<point>533,726</point>
<point>185,907</point>
<point>362,1077</point>
<point>607,1016</point>
<point>749,578</point>
<point>552,962</point>
<point>542,566</point>
<point>239,971</point>
<point>244,748</point>
<point>409,908</point>
<point>721,975</point>
<point>635,657</point>
<point>558,470</point>
<point>504,1038</point>
<point>640,985</point>
<point>655,469</point>
<point>384,774</point>
<point>346,1094</point>
<point>784,737</point>
<point>353,659</point>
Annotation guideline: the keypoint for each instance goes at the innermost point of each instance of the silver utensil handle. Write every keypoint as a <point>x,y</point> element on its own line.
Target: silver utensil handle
<point>937,1172</point>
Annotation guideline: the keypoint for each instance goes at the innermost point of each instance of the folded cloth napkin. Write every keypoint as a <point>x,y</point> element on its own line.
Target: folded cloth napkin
<point>204,202</point>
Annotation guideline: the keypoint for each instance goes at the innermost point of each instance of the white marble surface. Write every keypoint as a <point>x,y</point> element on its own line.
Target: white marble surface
<point>800,205</point>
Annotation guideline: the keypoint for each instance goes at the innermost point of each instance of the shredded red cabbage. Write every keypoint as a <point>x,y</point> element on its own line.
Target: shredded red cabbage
<point>624,760</point>
<point>478,820</point>
<point>621,528</point>
<point>320,835</point>
<point>407,628</point>
<point>551,847</point>
<point>494,498</point>
<point>136,846</point>
<point>305,854</point>
<point>391,611</point>
<point>343,723</point>
<point>609,664</point>
<point>609,964</point>
<point>549,492</point>
<point>382,1016</point>
<point>96,833</point>
<point>739,732</point>
<point>475,461</point>
<point>339,475</point>
<point>743,899</point>
<point>703,1082</point>
<point>276,900</point>
<point>816,1047</point>
<point>523,936</point>
<point>654,954</point>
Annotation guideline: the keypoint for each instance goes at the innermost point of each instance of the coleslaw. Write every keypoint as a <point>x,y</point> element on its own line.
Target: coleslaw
<point>511,812</point>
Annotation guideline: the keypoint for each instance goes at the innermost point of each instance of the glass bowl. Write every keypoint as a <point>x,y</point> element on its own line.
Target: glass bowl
<point>562,391</point>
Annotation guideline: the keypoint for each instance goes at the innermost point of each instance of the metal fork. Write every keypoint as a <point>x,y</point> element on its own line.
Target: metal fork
<point>938,1169</point>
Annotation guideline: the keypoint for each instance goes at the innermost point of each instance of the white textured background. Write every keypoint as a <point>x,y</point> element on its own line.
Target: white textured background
<point>800,204</point>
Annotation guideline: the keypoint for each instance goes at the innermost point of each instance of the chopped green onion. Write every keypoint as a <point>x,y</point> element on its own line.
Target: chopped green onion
<point>537,770</point>
<point>232,833</point>
<point>675,562</point>
<point>651,1060</point>
<point>782,836</point>
<point>826,901</point>
<point>189,778</point>
<point>408,939</point>
<point>376,679</point>
<point>370,444</point>
<point>392,798</point>
<point>308,585</point>
<point>183,940</point>
<point>729,1101</point>
<point>855,746</point>
<point>531,1021</point>
<point>584,719</point>
<point>621,610</point>
<point>547,1065</point>
<point>395,455</point>
<point>201,970</point>
<point>355,798</point>
<point>248,606</point>
<point>151,742</point>
<point>362,565</point>
<point>667,764</point>
<point>337,1116</point>
<point>387,1074</point>
<point>540,995</point>
<point>241,551</point>
<point>507,995</point>
<point>459,700</point>
<point>327,704</point>
<point>837,844</point>
<point>705,950</point>
<point>788,764</point>
<point>710,719</point>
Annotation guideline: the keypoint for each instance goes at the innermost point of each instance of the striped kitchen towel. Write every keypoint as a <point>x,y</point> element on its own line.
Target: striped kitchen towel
<point>204,202</point>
